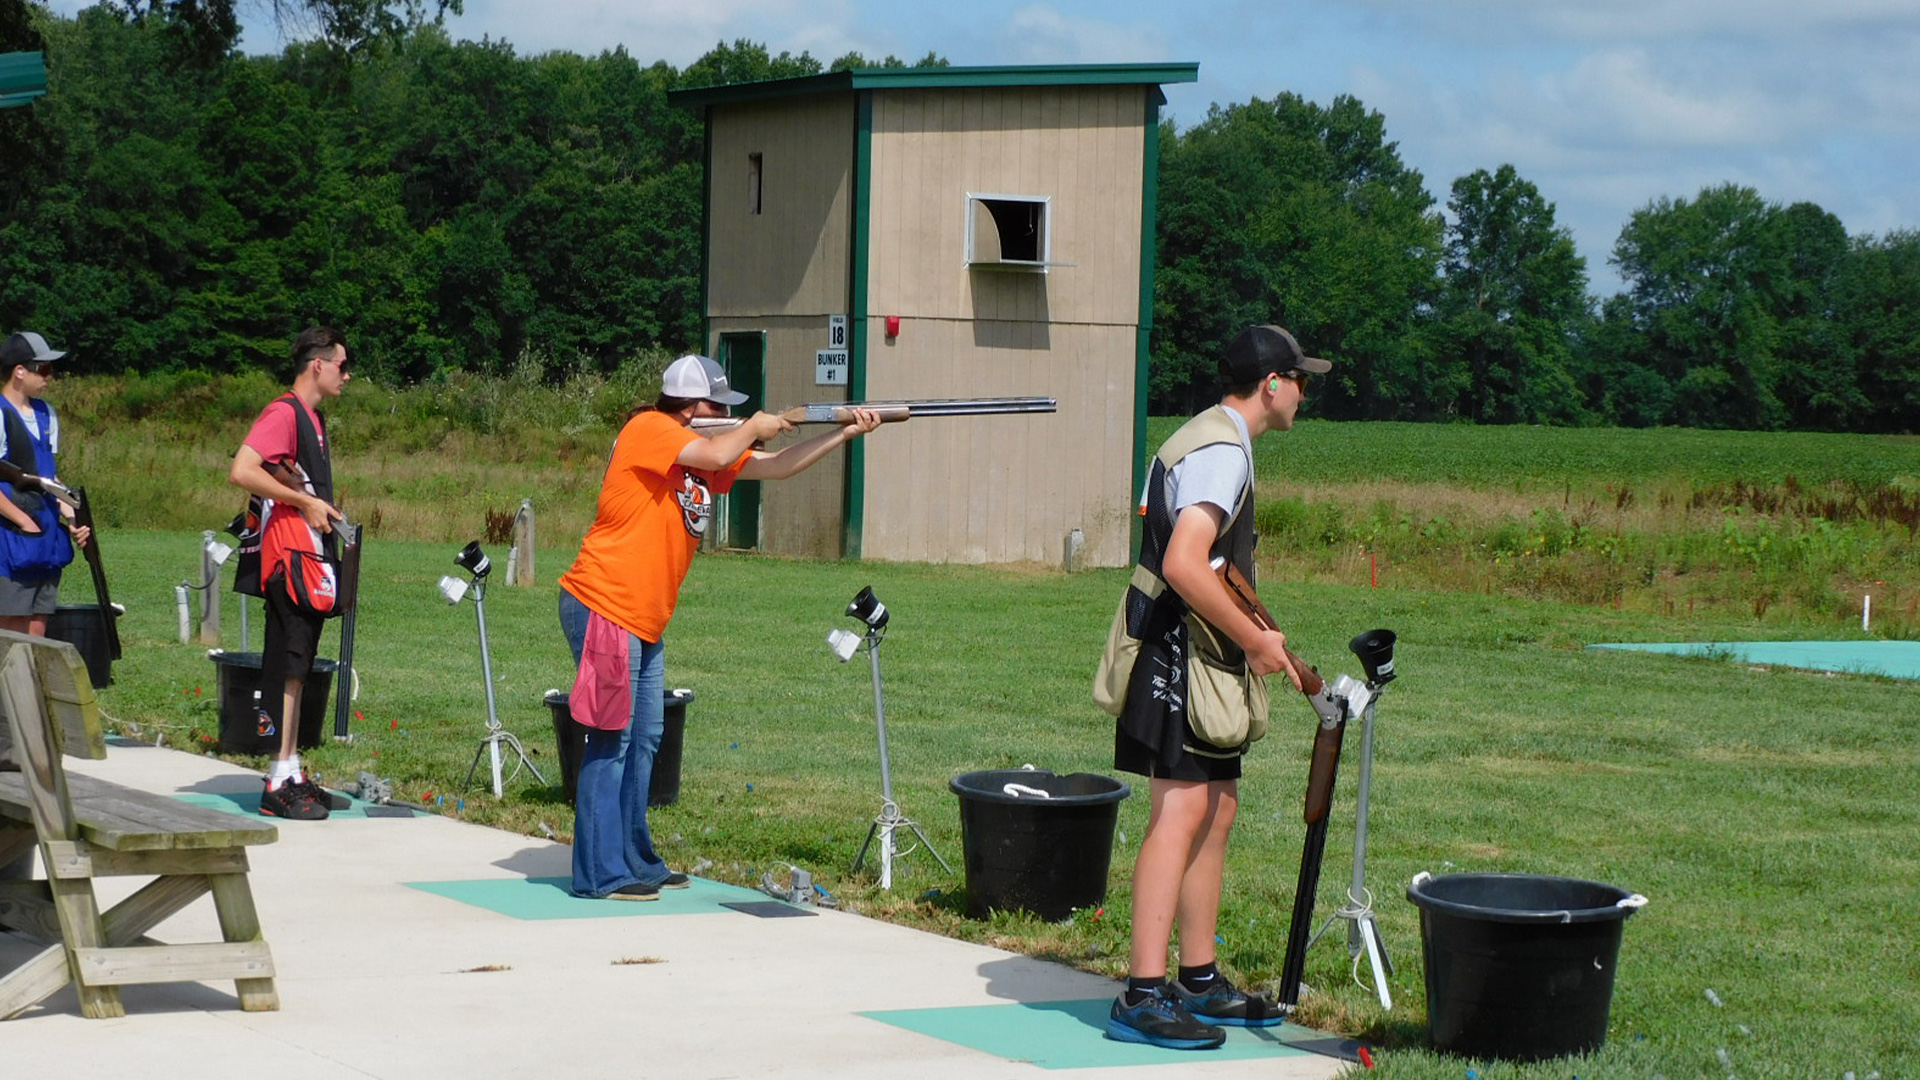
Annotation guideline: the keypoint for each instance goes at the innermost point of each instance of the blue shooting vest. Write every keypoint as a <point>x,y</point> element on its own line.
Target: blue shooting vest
<point>25,557</point>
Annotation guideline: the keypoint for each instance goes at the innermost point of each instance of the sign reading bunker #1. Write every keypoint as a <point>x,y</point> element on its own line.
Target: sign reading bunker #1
<point>830,363</point>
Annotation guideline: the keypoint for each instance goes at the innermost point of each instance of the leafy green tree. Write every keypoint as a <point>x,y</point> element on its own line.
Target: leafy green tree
<point>745,61</point>
<point>1512,292</point>
<point>1705,280</point>
<point>1819,378</point>
<point>1877,312</point>
<point>1292,212</point>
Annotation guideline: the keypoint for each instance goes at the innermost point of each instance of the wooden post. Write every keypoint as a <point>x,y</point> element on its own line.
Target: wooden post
<point>521,566</point>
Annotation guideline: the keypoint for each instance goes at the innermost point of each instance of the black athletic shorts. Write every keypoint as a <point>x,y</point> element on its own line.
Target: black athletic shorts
<point>288,651</point>
<point>1132,755</point>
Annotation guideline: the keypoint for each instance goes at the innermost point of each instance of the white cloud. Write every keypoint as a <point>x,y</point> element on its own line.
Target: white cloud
<point>1042,34</point>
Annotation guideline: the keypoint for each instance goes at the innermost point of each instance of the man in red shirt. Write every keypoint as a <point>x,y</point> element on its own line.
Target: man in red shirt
<point>615,601</point>
<point>285,459</point>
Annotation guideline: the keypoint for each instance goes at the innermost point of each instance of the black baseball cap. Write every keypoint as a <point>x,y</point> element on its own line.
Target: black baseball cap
<point>1257,350</point>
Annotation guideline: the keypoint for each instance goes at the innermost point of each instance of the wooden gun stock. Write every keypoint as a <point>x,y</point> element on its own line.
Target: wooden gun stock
<point>1249,600</point>
<point>1327,737</point>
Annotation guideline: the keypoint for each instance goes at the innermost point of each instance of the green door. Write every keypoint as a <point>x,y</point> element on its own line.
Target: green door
<point>744,358</point>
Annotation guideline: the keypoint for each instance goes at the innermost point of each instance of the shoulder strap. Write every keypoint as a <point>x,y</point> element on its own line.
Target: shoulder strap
<point>309,451</point>
<point>20,446</point>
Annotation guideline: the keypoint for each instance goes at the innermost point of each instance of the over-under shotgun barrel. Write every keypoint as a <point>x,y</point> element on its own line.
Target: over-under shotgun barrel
<point>841,412</point>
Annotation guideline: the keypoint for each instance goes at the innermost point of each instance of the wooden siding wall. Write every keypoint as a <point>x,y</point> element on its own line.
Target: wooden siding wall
<point>782,272</point>
<point>792,258</point>
<point>999,489</point>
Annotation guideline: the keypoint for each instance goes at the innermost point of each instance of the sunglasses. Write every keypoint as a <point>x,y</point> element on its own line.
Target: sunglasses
<point>42,368</point>
<point>1300,378</point>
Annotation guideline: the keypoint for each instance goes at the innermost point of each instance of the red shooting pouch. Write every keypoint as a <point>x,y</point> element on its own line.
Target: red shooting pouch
<point>295,561</point>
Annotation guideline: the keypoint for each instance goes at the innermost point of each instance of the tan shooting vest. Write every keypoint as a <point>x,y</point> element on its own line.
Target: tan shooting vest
<point>1223,702</point>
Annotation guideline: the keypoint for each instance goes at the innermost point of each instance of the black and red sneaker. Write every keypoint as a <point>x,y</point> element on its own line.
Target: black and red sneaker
<point>293,800</point>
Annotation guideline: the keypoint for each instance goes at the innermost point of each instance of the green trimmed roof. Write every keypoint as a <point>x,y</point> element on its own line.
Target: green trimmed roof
<point>924,78</point>
<point>23,77</point>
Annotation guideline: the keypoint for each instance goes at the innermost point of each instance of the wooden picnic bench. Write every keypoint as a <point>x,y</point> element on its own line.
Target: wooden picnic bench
<point>86,828</point>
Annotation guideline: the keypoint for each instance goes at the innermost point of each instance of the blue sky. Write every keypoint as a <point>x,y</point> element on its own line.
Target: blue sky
<point>1605,105</point>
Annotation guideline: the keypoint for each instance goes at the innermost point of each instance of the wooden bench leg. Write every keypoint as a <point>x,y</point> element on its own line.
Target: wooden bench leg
<point>80,928</point>
<point>233,900</point>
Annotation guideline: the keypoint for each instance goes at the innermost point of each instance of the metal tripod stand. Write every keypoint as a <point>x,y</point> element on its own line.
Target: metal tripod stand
<point>1363,932</point>
<point>890,818</point>
<point>496,735</point>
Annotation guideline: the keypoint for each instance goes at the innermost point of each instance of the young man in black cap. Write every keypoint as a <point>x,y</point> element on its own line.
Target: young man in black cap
<point>1184,673</point>
<point>34,528</point>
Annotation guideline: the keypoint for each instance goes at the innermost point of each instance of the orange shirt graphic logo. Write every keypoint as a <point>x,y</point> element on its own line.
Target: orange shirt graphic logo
<point>696,503</point>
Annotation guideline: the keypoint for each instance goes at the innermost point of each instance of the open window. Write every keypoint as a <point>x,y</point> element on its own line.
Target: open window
<point>1010,232</point>
<point>753,183</point>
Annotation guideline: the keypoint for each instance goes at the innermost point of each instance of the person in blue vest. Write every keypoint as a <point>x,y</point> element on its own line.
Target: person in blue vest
<point>37,533</point>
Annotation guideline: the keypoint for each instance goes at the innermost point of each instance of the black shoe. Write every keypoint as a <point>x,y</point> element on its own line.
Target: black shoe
<point>332,800</point>
<point>1161,1021</point>
<point>638,890</point>
<point>1224,1003</point>
<point>675,880</point>
<point>293,801</point>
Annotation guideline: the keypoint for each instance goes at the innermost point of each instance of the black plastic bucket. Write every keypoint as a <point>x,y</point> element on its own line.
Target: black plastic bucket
<point>1519,967</point>
<point>1047,854</point>
<point>79,625</point>
<point>240,694</point>
<point>570,736</point>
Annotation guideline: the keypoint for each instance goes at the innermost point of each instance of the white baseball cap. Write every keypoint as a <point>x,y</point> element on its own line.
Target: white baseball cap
<point>698,378</point>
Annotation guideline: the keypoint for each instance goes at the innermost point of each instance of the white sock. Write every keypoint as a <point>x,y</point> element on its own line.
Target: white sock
<point>282,771</point>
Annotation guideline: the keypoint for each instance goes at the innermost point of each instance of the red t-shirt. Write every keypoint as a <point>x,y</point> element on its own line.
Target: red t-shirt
<point>274,435</point>
<point>649,521</point>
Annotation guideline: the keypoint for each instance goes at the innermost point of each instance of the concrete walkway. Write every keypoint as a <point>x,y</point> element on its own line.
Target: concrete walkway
<point>413,948</point>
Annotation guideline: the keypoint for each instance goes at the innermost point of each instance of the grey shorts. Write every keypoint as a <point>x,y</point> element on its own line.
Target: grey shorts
<point>18,599</point>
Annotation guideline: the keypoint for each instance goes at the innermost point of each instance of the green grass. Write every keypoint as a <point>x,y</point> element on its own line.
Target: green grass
<point>1767,814</point>
<point>1550,458</point>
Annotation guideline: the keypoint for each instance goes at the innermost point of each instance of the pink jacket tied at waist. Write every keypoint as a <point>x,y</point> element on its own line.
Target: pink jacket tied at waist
<point>603,690</point>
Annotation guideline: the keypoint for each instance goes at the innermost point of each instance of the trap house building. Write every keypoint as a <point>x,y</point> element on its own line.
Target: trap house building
<point>940,233</point>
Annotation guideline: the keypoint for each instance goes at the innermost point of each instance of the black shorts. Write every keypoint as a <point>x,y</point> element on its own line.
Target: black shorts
<point>1132,755</point>
<point>292,639</point>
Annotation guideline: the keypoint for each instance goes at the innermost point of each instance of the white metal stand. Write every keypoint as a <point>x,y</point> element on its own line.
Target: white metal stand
<point>890,818</point>
<point>496,735</point>
<point>1363,932</point>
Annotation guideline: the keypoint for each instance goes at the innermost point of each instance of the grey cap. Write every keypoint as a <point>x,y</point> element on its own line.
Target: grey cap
<point>27,347</point>
<point>699,378</point>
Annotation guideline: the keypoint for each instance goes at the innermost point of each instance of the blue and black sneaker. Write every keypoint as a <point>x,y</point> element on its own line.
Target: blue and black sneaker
<point>1162,1021</point>
<point>1224,1003</point>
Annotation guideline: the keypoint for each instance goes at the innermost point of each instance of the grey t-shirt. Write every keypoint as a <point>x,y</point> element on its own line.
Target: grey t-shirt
<point>1212,474</point>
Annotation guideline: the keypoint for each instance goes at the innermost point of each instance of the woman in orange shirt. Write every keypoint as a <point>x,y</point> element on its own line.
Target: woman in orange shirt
<point>615,601</point>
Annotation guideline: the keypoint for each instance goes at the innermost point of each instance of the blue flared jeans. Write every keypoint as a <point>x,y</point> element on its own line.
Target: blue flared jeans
<point>611,844</point>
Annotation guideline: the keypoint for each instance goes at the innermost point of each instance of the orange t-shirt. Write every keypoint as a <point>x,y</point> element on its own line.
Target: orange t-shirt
<point>649,521</point>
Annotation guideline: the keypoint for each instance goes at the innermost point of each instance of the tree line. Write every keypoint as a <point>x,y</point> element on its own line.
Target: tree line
<point>172,204</point>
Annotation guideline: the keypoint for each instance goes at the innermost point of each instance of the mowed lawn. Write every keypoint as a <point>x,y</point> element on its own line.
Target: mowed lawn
<point>1767,814</point>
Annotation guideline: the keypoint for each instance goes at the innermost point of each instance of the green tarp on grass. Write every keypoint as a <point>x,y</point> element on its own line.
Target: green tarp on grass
<point>1895,659</point>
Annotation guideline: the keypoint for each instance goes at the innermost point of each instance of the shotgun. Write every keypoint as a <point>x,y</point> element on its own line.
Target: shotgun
<point>1321,772</point>
<point>82,516</point>
<point>891,412</point>
<point>109,620</point>
<point>351,536</point>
